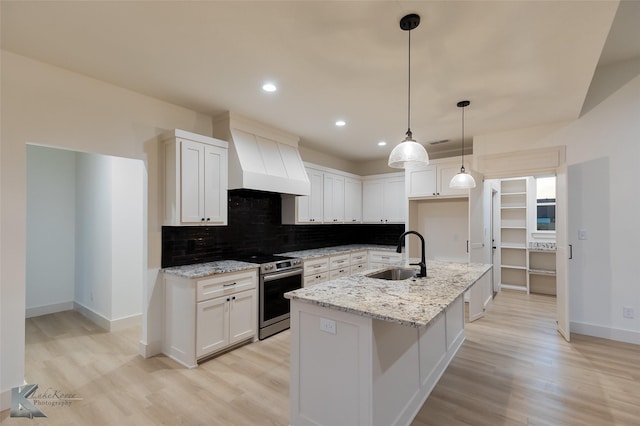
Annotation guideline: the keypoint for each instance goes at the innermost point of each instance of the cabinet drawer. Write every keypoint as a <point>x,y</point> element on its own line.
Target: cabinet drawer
<point>222,284</point>
<point>318,278</point>
<point>358,257</point>
<point>339,273</point>
<point>384,257</point>
<point>315,266</point>
<point>339,261</point>
<point>358,268</point>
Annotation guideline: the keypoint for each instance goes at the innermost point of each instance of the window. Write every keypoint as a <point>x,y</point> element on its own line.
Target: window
<point>546,203</point>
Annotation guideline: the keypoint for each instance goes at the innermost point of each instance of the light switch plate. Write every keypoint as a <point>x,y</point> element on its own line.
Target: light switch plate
<point>628,312</point>
<point>583,234</point>
<point>328,325</point>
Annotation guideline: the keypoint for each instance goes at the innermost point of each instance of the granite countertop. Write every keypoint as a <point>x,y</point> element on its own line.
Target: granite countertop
<point>326,251</point>
<point>200,270</point>
<point>413,302</point>
<point>542,246</point>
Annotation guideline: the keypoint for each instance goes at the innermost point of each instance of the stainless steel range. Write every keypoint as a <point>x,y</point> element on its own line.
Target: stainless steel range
<point>278,275</point>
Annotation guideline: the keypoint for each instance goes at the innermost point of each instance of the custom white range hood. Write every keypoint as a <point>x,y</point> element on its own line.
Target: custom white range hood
<point>261,157</point>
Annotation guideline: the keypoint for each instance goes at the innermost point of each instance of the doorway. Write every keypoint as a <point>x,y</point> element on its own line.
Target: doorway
<point>85,235</point>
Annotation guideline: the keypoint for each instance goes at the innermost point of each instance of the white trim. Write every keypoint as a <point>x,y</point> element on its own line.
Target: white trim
<point>53,308</point>
<point>92,316</point>
<point>147,350</point>
<point>617,334</point>
<point>125,322</point>
<point>104,322</point>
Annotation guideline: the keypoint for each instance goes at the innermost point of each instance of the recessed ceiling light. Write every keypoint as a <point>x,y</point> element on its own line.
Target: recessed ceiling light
<point>340,123</point>
<point>269,87</point>
<point>382,143</point>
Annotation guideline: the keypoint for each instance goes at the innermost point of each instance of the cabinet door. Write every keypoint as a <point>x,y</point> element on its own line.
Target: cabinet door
<point>333,198</point>
<point>352,200</point>
<point>215,184</point>
<point>422,182</point>
<point>212,326</point>
<point>372,201</point>
<point>310,206</point>
<point>242,316</point>
<point>394,204</point>
<point>192,181</point>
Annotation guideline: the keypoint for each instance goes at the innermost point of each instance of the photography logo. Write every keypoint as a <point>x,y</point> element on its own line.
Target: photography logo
<point>21,406</point>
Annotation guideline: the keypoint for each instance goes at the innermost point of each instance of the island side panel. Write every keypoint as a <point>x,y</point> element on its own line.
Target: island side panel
<point>395,375</point>
<point>330,373</point>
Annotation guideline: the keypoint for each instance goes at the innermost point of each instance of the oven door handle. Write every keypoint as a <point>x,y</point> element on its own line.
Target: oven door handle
<point>271,277</point>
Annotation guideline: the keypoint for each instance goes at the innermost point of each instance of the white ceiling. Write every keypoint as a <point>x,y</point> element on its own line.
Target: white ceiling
<point>520,63</point>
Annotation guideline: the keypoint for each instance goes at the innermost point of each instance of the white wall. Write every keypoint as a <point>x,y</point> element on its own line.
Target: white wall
<point>50,261</point>
<point>127,245</point>
<point>609,133</point>
<point>93,234</point>
<point>50,106</point>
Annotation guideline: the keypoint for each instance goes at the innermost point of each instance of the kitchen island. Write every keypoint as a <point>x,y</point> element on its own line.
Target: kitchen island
<point>368,351</point>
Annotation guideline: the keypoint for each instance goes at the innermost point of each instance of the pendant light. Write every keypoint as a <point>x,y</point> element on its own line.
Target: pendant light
<point>462,180</point>
<point>409,154</point>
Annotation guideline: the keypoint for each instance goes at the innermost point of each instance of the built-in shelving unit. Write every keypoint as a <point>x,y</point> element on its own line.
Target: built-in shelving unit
<point>542,271</point>
<point>513,234</point>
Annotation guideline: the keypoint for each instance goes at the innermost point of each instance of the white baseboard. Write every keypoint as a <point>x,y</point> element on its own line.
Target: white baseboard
<point>125,322</point>
<point>96,318</point>
<point>104,322</point>
<point>147,350</point>
<point>48,309</point>
<point>618,334</point>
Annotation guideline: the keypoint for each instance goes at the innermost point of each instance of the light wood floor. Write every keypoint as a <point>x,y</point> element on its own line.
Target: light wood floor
<point>513,369</point>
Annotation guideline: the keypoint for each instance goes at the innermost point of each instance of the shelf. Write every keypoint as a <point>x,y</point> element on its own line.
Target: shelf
<point>542,272</point>
<point>514,246</point>
<point>513,287</point>
<point>512,227</point>
<point>513,207</point>
<point>513,193</point>
<point>524,268</point>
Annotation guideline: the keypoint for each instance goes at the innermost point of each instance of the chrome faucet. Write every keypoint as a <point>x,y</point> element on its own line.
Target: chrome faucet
<point>423,263</point>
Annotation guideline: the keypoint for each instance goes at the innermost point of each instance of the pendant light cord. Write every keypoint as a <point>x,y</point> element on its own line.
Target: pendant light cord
<point>462,167</point>
<point>409,91</point>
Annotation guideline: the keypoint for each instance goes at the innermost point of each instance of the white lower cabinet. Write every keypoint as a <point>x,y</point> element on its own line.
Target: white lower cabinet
<point>207,315</point>
<point>316,271</point>
<point>380,259</point>
<point>224,321</point>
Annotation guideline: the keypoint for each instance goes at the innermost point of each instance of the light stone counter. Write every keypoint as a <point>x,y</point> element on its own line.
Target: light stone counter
<point>413,302</point>
<point>200,270</point>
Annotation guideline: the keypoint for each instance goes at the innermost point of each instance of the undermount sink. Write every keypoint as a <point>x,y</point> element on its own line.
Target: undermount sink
<point>394,274</point>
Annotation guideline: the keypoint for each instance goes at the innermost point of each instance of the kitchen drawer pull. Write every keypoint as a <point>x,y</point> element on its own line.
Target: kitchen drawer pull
<point>229,285</point>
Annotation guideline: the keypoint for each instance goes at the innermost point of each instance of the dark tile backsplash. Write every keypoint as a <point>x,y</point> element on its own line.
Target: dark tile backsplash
<point>254,226</point>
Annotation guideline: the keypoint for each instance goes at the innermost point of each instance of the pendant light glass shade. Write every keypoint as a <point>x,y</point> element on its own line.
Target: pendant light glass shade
<point>409,154</point>
<point>462,180</point>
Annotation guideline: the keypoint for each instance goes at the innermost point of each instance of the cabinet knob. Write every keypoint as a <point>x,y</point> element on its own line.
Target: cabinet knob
<point>208,219</point>
<point>233,298</point>
<point>202,219</point>
<point>433,193</point>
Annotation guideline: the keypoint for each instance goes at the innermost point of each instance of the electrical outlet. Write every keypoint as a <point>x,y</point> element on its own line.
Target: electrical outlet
<point>328,325</point>
<point>628,312</point>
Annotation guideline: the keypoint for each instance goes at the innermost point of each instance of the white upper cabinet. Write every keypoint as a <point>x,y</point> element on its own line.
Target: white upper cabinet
<point>352,200</point>
<point>333,198</point>
<point>433,180</point>
<point>333,194</point>
<point>306,208</point>
<point>195,169</point>
<point>383,199</point>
